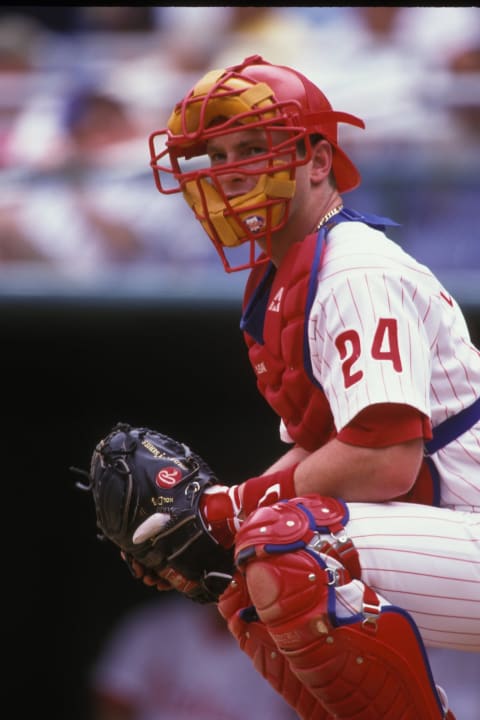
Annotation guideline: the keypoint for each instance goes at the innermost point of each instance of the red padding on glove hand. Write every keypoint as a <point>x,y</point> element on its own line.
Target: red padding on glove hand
<point>220,508</point>
<point>268,489</point>
<point>220,504</point>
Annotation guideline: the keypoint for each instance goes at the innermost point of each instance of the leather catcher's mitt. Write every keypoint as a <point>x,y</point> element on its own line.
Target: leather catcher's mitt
<point>146,488</point>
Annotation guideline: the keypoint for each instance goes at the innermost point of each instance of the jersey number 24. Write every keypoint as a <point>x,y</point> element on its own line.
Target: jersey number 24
<point>384,347</point>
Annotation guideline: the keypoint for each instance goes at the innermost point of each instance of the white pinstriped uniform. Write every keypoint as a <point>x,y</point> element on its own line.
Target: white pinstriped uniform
<point>383,329</point>
<point>366,278</point>
<point>426,560</point>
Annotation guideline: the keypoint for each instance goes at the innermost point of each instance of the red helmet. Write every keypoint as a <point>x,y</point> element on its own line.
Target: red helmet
<point>261,95</point>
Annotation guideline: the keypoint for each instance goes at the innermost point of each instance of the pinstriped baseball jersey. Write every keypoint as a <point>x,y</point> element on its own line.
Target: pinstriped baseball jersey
<point>382,329</point>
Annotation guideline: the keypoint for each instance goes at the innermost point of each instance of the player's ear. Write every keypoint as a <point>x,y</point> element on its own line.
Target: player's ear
<point>321,162</point>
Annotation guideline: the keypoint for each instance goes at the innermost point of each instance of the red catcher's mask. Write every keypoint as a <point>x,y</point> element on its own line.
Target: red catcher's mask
<point>288,109</point>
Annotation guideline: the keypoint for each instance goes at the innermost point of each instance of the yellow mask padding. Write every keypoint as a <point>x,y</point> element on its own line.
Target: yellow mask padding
<point>230,232</point>
<point>248,98</point>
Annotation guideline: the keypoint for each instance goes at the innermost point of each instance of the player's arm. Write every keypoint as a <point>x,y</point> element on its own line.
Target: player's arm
<point>292,457</point>
<point>353,473</point>
<point>375,458</point>
<point>360,474</point>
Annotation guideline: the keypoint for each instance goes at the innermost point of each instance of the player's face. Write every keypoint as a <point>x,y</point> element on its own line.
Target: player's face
<point>250,151</point>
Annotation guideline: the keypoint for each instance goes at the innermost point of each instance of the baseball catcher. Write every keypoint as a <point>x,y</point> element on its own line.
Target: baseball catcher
<point>283,571</point>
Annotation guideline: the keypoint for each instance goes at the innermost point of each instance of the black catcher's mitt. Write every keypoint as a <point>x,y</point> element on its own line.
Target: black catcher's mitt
<point>146,488</point>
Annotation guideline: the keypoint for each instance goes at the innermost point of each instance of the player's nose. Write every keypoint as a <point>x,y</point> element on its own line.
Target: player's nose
<point>236,183</point>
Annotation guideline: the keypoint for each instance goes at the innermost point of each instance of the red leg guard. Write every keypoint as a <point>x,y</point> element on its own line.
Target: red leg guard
<point>254,639</point>
<point>362,659</point>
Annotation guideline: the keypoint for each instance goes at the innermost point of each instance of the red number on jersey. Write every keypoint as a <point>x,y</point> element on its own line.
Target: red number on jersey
<point>384,347</point>
<point>385,343</point>
<point>352,338</point>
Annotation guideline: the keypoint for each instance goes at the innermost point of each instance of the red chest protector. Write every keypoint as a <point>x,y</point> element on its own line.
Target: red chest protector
<point>274,323</point>
<point>276,307</point>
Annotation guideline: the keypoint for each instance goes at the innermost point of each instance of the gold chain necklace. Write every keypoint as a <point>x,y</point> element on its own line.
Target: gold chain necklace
<point>329,215</point>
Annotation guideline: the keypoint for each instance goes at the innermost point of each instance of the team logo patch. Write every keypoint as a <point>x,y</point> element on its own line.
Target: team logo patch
<point>255,223</point>
<point>169,476</point>
<point>275,304</point>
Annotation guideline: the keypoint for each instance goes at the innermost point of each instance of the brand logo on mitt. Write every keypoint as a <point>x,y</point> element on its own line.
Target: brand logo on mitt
<point>168,477</point>
<point>163,502</point>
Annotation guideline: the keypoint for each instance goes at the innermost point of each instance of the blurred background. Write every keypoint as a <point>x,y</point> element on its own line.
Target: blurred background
<point>115,306</point>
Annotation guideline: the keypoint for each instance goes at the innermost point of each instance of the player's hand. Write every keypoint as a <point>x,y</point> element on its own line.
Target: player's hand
<point>223,508</point>
<point>220,508</point>
<point>148,577</point>
<point>166,579</point>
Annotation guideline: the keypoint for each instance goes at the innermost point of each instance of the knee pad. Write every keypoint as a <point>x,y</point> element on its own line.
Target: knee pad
<point>360,656</point>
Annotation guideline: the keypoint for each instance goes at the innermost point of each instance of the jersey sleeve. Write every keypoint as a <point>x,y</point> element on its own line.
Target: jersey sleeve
<point>386,424</point>
<point>370,339</point>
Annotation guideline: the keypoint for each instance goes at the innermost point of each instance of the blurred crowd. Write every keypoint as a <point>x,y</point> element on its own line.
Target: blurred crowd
<point>83,87</point>
<point>172,659</point>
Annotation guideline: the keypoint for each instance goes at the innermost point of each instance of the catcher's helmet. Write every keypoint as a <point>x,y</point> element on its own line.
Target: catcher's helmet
<point>259,95</point>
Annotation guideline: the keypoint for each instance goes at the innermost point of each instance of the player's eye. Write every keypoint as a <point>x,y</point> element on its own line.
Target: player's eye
<point>217,157</point>
<point>256,150</point>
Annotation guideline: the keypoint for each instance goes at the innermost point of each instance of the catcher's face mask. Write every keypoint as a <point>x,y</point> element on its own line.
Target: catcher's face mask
<point>284,108</point>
